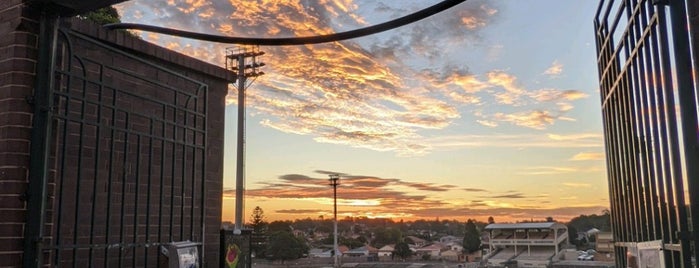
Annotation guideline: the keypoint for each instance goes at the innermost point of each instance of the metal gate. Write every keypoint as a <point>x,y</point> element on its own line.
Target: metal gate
<point>650,121</point>
<point>124,161</point>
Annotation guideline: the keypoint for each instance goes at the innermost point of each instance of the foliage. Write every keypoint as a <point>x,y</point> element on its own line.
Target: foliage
<point>386,236</point>
<point>105,15</point>
<point>278,226</point>
<point>259,225</point>
<point>258,243</point>
<point>491,220</point>
<point>284,246</point>
<point>472,238</point>
<point>586,222</point>
<point>349,242</point>
<point>402,250</point>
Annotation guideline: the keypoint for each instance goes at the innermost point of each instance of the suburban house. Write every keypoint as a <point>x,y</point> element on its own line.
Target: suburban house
<point>387,250</point>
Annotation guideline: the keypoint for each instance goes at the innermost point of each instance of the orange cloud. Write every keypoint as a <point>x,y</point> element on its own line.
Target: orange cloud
<point>587,156</point>
<point>555,69</point>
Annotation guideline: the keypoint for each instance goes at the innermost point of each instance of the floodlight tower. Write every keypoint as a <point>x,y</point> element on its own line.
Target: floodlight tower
<point>334,183</point>
<point>242,60</point>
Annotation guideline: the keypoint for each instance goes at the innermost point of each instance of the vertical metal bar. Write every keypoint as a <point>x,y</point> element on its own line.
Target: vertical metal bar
<point>173,164</point>
<point>688,111</point>
<point>149,187</point>
<point>124,180</point>
<point>204,160</point>
<point>66,62</point>
<point>110,177</point>
<point>79,179</point>
<point>40,137</point>
<point>678,217</point>
<point>97,161</point>
<point>136,194</point>
<point>162,177</point>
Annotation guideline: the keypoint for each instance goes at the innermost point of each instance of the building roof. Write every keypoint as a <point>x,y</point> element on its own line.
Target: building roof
<point>73,7</point>
<point>524,225</point>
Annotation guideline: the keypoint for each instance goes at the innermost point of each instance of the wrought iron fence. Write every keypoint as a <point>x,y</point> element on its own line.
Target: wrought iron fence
<point>127,144</point>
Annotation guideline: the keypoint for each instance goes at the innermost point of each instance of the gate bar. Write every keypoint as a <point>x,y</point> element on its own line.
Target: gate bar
<point>41,133</point>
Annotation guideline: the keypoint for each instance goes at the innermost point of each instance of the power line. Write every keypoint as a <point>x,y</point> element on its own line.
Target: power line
<point>288,41</point>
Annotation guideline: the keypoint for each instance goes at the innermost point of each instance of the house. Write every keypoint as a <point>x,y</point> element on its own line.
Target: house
<point>320,253</point>
<point>450,239</point>
<point>452,255</point>
<point>432,250</point>
<point>387,250</point>
<point>455,247</point>
<point>418,242</point>
<point>361,251</point>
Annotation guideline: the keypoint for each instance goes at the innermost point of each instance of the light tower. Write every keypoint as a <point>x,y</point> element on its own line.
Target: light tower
<point>242,60</point>
<point>334,183</point>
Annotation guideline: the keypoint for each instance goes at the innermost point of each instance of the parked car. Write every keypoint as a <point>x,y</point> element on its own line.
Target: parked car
<point>586,257</point>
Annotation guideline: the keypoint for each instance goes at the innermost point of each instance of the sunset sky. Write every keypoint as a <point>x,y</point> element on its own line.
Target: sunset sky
<point>488,109</point>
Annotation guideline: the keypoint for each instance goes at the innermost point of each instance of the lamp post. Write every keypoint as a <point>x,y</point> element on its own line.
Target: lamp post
<point>334,182</point>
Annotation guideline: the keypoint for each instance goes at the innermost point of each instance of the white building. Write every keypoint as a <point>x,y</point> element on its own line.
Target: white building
<point>527,244</point>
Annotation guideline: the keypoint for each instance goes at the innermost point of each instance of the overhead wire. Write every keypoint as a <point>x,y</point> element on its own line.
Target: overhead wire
<point>289,41</point>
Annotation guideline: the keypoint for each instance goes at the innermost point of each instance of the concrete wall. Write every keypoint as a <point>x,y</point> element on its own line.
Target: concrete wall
<point>18,56</point>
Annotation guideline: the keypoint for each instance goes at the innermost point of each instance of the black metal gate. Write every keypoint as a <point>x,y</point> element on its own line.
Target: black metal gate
<point>124,158</point>
<point>650,121</point>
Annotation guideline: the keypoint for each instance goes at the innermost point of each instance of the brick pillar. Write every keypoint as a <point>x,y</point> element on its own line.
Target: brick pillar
<point>18,43</point>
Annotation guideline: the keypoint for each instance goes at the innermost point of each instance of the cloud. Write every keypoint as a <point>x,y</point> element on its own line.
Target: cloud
<point>374,92</point>
<point>577,185</point>
<point>555,69</point>
<point>550,140</point>
<point>585,156</point>
<point>531,119</point>
<point>474,190</point>
<point>548,170</point>
<point>372,196</point>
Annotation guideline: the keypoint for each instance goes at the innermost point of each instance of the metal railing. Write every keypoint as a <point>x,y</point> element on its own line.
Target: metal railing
<point>127,149</point>
<point>649,114</point>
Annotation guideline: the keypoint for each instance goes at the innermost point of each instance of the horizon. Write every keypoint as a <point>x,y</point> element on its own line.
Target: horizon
<point>489,109</point>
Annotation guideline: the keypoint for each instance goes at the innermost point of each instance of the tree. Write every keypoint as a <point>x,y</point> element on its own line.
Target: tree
<point>472,238</point>
<point>491,220</point>
<point>258,240</point>
<point>284,246</point>
<point>402,250</point>
<point>386,236</point>
<point>549,219</point>
<point>259,225</point>
<point>105,15</point>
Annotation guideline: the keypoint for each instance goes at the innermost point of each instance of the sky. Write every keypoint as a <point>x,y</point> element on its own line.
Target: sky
<point>488,109</point>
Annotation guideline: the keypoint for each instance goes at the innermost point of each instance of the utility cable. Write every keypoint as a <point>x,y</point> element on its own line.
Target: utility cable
<point>288,41</point>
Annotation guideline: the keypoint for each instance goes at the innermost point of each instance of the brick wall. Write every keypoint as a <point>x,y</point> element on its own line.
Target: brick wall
<point>95,150</point>
<point>17,58</point>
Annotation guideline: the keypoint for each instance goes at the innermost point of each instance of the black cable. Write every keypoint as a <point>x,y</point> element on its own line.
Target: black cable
<point>286,41</point>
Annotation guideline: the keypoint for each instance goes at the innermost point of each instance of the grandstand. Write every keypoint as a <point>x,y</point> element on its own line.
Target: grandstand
<point>526,244</point>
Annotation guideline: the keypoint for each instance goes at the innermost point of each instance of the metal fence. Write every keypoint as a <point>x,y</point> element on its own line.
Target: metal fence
<point>126,151</point>
<point>649,113</point>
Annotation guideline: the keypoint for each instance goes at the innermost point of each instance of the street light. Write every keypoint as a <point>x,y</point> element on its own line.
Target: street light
<point>334,183</point>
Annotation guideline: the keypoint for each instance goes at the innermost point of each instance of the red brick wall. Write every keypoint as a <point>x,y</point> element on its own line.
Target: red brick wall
<point>18,53</point>
<point>18,42</point>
